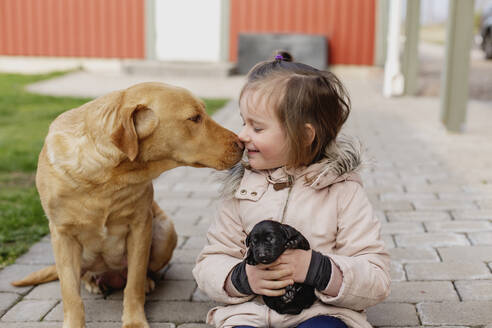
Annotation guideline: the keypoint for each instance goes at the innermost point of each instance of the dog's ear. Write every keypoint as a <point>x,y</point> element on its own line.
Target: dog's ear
<point>135,123</point>
<point>288,231</point>
<point>294,238</point>
<point>247,241</point>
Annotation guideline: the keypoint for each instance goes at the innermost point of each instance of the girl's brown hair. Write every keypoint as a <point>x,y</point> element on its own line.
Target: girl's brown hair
<point>302,95</point>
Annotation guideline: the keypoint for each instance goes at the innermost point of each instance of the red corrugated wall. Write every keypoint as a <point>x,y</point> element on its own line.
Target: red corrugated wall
<point>349,25</point>
<point>73,28</point>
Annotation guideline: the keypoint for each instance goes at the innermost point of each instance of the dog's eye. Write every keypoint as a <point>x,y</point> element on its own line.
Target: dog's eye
<point>269,238</point>
<point>197,118</point>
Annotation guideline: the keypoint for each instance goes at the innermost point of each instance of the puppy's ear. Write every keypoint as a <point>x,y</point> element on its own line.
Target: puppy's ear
<point>294,238</point>
<point>133,124</point>
<point>288,231</point>
<point>247,241</point>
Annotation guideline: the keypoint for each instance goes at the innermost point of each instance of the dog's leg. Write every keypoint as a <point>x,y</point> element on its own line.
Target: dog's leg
<point>138,248</point>
<point>164,239</point>
<point>68,253</point>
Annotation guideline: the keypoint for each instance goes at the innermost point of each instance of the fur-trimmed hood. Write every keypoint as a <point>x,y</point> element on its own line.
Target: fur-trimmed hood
<point>343,160</point>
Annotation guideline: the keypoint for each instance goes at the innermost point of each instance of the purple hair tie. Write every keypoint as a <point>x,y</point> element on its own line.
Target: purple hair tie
<point>279,57</point>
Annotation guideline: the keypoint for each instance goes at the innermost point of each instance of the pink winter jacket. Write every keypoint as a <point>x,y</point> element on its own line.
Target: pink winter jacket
<point>327,204</point>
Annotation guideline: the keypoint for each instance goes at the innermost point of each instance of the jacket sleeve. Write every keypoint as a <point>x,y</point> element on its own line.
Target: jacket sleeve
<point>224,249</point>
<point>360,253</point>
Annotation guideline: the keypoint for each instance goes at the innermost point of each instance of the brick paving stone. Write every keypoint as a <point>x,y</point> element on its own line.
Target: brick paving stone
<point>95,311</point>
<point>7,300</point>
<point>380,216</point>
<point>485,204</point>
<point>388,241</point>
<point>418,216</point>
<point>195,242</point>
<point>16,272</point>
<point>393,206</point>
<point>472,215</point>
<point>441,187</point>
<point>400,196</point>
<point>181,241</point>
<point>383,189</point>
<point>178,312</point>
<point>171,290</point>
<point>480,238</point>
<point>188,202</point>
<point>447,271</point>
<point>31,310</point>
<point>455,313</point>
<point>396,272</point>
<point>31,325</point>
<point>458,226</point>
<point>413,255</point>
<point>179,271</point>
<point>56,324</point>
<point>199,296</point>
<point>478,188</point>
<point>47,291</point>
<point>464,196</point>
<point>475,253</point>
<point>435,239</point>
<point>40,253</point>
<point>476,290</point>
<point>443,205</point>
<point>192,214</point>
<point>185,255</point>
<point>193,186</point>
<point>187,229</point>
<point>392,314</point>
<point>401,227</point>
<point>422,291</point>
<point>51,291</point>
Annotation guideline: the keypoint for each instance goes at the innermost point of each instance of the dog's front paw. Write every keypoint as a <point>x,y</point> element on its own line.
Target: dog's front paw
<point>136,325</point>
<point>292,244</point>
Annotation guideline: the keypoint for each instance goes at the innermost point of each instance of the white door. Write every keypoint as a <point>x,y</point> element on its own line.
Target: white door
<point>188,30</point>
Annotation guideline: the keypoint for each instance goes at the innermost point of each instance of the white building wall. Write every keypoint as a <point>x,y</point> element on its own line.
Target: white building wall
<point>188,30</point>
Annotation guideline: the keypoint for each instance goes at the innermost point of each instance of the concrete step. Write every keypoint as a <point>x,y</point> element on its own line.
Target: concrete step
<point>176,68</point>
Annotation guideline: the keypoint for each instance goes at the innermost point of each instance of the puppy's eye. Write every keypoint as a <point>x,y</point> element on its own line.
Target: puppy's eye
<point>197,118</point>
<point>269,238</point>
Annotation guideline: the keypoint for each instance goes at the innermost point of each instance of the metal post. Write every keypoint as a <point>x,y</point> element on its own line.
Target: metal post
<point>150,32</point>
<point>225,16</point>
<point>381,32</point>
<point>411,52</point>
<point>454,92</point>
<point>393,78</point>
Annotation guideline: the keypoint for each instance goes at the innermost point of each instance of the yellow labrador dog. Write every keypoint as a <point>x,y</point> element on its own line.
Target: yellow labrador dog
<point>95,176</point>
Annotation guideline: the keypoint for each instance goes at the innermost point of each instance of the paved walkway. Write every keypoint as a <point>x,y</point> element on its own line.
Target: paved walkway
<point>431,189</point>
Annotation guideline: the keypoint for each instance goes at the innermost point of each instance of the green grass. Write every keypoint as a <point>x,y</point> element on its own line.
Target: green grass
<point>24,122</point>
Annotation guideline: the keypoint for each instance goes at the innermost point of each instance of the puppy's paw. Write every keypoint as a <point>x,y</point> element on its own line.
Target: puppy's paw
<point>290,293</point>
<point>292,244</point>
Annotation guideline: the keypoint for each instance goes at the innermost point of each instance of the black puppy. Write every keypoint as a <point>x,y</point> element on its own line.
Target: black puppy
<point>266,242</point>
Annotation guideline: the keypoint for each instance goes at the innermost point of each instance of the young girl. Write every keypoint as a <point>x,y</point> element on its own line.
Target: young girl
<point>301,174</point>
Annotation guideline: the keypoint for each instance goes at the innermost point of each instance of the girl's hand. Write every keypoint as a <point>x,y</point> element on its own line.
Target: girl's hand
<point>268,280</point>
<point>295,260</point>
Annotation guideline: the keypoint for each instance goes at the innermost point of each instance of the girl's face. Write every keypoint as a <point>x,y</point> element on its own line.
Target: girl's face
<point>263,136</point>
